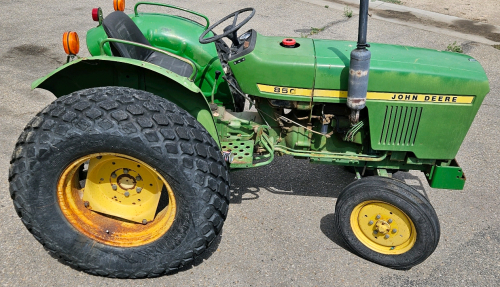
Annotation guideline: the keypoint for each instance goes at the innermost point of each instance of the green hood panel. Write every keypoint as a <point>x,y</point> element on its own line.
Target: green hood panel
<point>324,64</point>
<point>401,69</point>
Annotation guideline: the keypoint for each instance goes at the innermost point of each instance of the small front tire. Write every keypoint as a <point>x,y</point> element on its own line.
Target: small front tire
<point>387,222</point>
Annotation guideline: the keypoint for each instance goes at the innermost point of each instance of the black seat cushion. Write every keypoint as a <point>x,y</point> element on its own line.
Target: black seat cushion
<point>119,26</point>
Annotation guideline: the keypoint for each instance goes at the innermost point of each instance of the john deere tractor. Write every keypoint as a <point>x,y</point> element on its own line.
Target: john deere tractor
<point>126,173</point>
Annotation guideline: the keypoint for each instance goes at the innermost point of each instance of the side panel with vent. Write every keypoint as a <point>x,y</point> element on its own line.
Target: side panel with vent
<point>400,125</point>
<point>430,130</point>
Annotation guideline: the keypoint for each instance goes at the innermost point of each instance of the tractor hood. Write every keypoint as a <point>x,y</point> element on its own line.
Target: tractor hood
<point>274,71</point>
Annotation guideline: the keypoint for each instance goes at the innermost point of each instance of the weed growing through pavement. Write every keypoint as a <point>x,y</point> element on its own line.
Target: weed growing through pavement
<point>454,48</point>
<point>316,30</point>
<point>347,12</point>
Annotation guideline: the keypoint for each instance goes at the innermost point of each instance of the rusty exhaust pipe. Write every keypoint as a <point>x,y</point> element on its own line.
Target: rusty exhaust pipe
<point>359,67</point>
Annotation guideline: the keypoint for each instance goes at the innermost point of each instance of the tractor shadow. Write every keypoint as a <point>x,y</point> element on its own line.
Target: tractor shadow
<point>289,176</point>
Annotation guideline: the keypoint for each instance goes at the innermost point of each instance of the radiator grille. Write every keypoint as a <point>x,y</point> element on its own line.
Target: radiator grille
<point>400,125</point>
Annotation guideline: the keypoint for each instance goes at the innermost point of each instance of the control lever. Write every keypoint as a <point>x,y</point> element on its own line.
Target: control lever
<point>213,106</point>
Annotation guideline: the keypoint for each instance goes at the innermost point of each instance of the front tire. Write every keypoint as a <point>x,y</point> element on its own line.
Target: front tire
<point>387,222</point>
<point>119,145</point>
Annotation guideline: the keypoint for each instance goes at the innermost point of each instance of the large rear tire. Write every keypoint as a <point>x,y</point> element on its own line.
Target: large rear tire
<point>387,222</point>
<point>82,165</point>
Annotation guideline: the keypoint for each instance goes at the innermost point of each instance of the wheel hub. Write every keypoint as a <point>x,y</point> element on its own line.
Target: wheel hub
<point>382,227</point>
<point>118,205</point>
<point>126,182</point>
<point>123,188</point>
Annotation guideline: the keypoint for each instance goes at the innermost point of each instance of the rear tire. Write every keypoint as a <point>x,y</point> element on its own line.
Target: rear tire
<point>387,222</point>
<point>144,128</point>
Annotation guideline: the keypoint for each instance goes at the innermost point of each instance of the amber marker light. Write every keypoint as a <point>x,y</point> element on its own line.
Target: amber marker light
<point>71,43</point>
<point>119,5</point>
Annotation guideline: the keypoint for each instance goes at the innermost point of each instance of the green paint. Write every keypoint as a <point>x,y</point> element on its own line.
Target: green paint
<point>272,64</point>
<point>179,36</point>
<point>449,177</point>
<point>395,135</point>
<point>102,71</point>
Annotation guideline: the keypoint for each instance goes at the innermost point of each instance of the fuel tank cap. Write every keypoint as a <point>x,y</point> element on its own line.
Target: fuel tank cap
<point>289,43</point>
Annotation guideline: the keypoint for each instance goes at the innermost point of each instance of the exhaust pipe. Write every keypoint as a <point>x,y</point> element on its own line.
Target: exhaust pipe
<point>359,67</point>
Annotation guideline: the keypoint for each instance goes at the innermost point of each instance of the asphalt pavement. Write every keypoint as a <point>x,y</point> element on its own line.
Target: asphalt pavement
<point>279,231</point>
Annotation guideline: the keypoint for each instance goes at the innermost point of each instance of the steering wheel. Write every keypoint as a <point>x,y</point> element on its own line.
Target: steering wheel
<point>229,31</point>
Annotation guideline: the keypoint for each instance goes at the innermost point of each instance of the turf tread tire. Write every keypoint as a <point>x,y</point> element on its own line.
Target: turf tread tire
<point>134,122</point>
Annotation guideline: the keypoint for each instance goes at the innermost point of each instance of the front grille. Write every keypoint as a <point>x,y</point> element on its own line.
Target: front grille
<point>400,125</point>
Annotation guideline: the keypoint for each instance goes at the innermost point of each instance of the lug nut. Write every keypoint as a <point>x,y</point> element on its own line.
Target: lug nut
<point>139,189</point>
<point>378,216</point>
<point>114,187</point>
<point>113,175</point>
<point>144,221</point>
<point>386,236</point>
<point>127,194</point>
<point>371,222</point>
<point>390,220</point>
<point>394,230</point>
<point>375,231</point>
<point>138,178</point>
<point>125,170</point>
<point>86,203</point>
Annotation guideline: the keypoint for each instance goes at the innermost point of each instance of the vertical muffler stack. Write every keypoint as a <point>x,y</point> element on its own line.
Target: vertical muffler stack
<point>359,67</point>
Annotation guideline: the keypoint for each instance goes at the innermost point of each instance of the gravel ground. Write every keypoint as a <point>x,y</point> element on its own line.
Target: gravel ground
<point>279,231</point>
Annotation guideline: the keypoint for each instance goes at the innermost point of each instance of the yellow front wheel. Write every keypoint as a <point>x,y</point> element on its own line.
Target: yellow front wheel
<point>387,222</point>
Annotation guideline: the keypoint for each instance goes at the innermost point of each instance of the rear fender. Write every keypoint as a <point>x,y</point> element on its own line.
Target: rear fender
<point>102,71</point>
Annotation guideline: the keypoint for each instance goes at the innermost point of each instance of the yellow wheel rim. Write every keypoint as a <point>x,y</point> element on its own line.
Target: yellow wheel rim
<point>383,227</point>
<point>119,203</point>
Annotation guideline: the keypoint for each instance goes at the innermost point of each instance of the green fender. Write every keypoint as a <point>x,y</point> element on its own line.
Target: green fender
<point>104,71</point>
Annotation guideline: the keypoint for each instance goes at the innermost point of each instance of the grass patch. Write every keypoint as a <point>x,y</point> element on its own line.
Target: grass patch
<point>454,48</point>
<point>496,47</point>
<point>347,12</point>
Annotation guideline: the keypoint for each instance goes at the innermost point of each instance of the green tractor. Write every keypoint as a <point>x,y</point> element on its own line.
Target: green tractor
<point>126,173</point>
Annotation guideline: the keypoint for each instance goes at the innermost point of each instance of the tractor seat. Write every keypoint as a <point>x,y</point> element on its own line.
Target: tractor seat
<point>119,26</point>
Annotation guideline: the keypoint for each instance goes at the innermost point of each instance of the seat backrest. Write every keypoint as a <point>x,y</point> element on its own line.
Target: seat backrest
<point>119,26</point>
